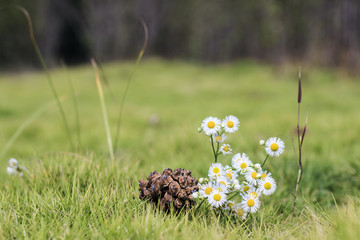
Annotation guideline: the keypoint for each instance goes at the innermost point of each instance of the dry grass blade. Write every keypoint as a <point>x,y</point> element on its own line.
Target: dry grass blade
<point>103,108</point>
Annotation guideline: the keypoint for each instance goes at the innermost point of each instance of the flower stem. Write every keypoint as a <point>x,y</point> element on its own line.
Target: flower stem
<point>213,148</point>
<point>267,156</point>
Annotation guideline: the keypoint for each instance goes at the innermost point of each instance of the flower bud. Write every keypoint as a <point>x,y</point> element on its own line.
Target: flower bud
<point>199,129</point>
<point>196,195</point>
<point>262,142</point>
<point>201,180</point>
<point>257,165</point>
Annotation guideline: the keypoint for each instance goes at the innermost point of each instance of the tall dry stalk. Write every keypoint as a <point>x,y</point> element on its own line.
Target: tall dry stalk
<point>300,142</point>
<point>103,108</point>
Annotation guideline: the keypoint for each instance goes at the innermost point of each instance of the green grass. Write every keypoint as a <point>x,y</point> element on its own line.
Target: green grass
<point>81,194</point>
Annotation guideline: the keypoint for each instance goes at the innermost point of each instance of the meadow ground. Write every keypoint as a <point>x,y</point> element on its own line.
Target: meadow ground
<point>78,193</point>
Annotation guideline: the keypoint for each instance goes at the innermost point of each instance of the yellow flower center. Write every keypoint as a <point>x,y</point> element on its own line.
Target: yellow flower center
<point>246,188</point>
<point>219,190</point>
<point>243,165</point>
<point>240,212</point>
<point>218,138</point>
<point>222,182</point>
<point>229,176</point>
<point>250,202</point>
<point>230,205</point>
<point>211,124</point>
<point>226,148</point>
<point>267,185</point>
<point>253,175</point>
<point>274,147</point>
<point>208,190</point>
<point>217,197</point>
<point>216,170</point>
<point>263,175</point>
<point>230,124</point>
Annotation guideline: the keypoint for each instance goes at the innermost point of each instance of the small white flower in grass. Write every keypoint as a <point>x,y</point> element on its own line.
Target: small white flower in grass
<point>206,190</point>
<point>215,170</point>
<point>252,176</point>
<point>241,162</point>
<point>262,142</point>
<point>250,203</point>
<point>218,138</point>
<point>230,124</point>
<point>217,199</point>
<point>274,146</point>
<point>239,211</point>
<point>230,174</point>
<point>13,163</point>
<point>211,125</point>
<point>225,149</point>
<point>11,171</point>
<point>267,186</point>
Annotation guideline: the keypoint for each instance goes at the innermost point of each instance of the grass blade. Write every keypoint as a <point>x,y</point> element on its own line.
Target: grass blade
<point>22,127</point>
<point>75,103</point>
<point>38,52</point>
<point>141,53</point>
<point>103,108</point>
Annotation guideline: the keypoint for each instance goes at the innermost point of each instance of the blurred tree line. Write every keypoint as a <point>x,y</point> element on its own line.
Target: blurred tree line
<point>324,32</point>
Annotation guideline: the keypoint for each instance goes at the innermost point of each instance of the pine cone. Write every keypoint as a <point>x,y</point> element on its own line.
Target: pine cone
<point>169,188</point>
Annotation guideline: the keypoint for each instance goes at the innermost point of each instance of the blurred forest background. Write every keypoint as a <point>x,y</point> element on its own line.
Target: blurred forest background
<point>321,32</point>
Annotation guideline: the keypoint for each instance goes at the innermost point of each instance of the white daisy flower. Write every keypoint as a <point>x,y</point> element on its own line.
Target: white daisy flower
<point>230,174</point>
<point>274,146</point>
<point>229,205</point>
<point>216,170</point>
<point>252,176</point>
<point>218,138</point>
<point>11,171</point>
<point>267,186</point>
<point>264,174</point>
<point>206,190</point>
<point>211,125</point>
<point>239,211</point>
<point>241,162</point>
<point>220,188</point>
<point>245,187</point>
<point>13,163</point>
<point>255,192</point>
<point>225,149</point>
<point>230,124</point>
<point>222,180</point>
<point>251,203</point>
<point>217,199</point>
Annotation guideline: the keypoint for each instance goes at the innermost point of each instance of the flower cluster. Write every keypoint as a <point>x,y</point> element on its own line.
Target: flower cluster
<point>243,180</point>
<point>216,129</point>
<point>15,168</point>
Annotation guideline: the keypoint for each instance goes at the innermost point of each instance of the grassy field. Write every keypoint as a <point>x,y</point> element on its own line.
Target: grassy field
<point>78,193</point>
